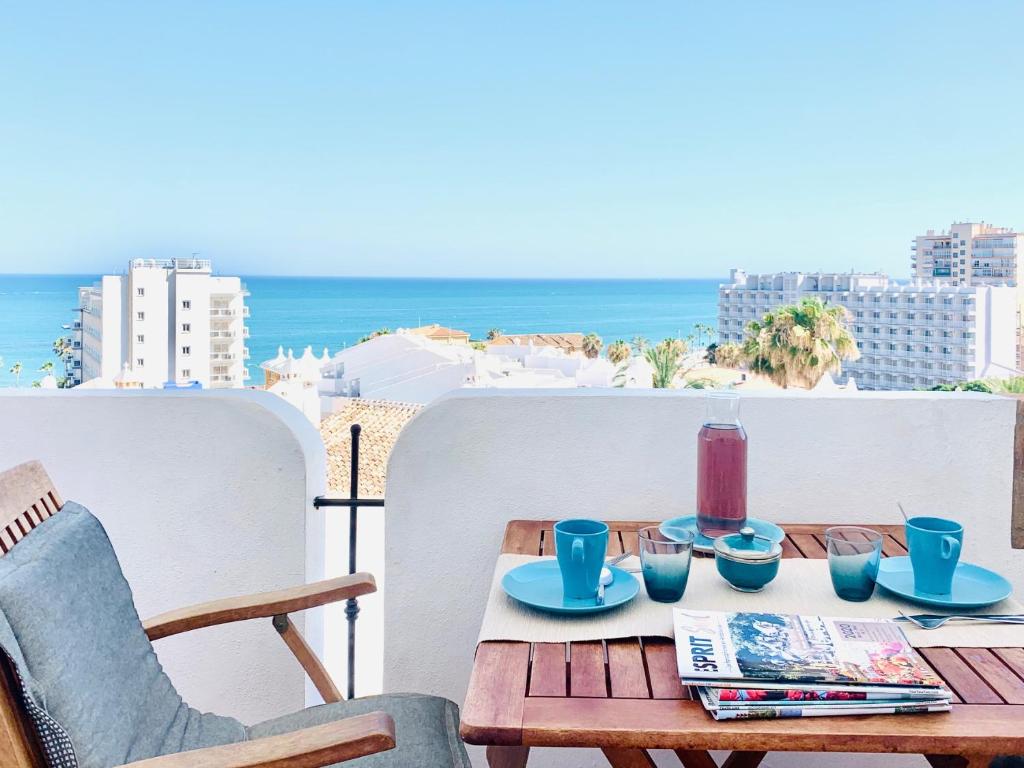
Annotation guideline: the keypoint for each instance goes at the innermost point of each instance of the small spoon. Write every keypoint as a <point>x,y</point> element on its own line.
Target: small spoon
<point>605,580</point>
<point>905,518</point>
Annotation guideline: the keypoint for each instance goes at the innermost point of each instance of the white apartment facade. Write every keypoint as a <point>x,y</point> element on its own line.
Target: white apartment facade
<point>968,253</point>
<point>910,336</point>
<point>164,321</point>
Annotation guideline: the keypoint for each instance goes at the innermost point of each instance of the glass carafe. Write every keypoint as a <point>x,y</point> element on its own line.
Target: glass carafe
<point>721,467</point>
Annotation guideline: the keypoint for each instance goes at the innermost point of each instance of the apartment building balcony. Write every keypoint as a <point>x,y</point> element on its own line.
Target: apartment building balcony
<point>222,334</point>
<point>218,312</point>
<point>262,528</point>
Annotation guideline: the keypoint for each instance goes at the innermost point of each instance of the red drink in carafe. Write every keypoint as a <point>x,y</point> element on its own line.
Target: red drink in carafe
<point>721,468</point>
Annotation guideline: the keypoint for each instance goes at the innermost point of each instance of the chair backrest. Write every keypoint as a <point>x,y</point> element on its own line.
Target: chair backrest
<point>27,497</point>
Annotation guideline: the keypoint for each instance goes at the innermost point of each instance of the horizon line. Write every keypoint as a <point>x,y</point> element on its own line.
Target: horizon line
<point>380,277</point>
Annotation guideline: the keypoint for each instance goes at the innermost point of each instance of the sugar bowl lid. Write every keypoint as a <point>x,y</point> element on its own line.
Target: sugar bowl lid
<point>747,546</point>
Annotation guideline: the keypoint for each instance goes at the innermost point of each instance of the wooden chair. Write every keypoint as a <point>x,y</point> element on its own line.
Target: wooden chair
<point>27,498</point>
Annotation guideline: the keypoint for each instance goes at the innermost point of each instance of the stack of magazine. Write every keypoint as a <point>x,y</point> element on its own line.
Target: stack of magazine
<point>766,665</point>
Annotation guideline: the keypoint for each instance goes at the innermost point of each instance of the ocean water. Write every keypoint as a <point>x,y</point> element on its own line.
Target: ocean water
<point>335,312</point>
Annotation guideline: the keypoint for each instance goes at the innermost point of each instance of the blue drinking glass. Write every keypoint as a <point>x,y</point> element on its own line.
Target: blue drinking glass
<point>853,557</point>
<point>665,563</point>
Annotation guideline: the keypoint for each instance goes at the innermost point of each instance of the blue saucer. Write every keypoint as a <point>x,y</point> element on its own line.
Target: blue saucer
<point>973,586</point>
<point>539,585</point>
<point>702,543</point>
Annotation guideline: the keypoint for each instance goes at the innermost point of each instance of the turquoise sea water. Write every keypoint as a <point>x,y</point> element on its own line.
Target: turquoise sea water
<point>331,312</point>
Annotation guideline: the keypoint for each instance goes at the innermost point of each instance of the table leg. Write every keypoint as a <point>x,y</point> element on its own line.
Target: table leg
<point>744,760</point>
<point>507,757</point>
<point>695,758</point>
<point>956,761</point>
<point>628,758</point>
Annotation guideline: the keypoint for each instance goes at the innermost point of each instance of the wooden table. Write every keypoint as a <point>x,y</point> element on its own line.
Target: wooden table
<point>624,696</point>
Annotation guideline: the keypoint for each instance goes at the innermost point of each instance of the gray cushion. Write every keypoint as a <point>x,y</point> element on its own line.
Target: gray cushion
<point>83,653</point>
<point>426,729</point>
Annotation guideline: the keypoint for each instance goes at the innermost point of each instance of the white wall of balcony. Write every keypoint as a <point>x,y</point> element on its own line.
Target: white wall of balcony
<point>204,495</point>
<point>477,458</point>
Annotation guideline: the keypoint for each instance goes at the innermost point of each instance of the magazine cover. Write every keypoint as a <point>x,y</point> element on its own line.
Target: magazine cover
<point>712,645</point>
<point>775,709</point>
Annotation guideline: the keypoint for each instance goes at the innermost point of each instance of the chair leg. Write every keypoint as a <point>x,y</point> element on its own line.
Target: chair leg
<point>507,757</point>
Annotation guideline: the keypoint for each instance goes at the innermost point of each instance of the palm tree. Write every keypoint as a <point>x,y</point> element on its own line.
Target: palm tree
<point>639,344</point>
<point>728,355</point>
<point>665,361</point>
<point>679,346</point>
<point>1011,386</point>
<point>16,370</point>
<point>699,330</point>
<point>494,333</point>
<point>592,345</point>
<point>798,344</point>
<point>47,367</point>
<point>618,352</point>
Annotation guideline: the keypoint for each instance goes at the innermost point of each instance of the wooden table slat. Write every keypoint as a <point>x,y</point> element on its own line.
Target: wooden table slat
<point>959,676</point>
<point>892,548</point>
<point>614,544</point>
<point>1012,658</point>
<point>662,669</point>
<point>995,673</point>
<point>523,538</point>
<point>497,692</point>
<point>790,550</point>
<point>630,542</point>
<point>587,675</point>
<point>547,544</point>
<point>548,672</point>
<point>626,672</point>
<point>809,545</point>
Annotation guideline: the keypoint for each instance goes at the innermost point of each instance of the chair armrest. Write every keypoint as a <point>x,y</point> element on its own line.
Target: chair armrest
<point>308,748</point>
<point>259,605</point>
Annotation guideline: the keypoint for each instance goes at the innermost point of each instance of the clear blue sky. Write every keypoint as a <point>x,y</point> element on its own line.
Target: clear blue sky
<point>518,138</point>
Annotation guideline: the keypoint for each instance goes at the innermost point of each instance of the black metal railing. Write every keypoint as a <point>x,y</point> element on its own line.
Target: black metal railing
<point>354,503</point>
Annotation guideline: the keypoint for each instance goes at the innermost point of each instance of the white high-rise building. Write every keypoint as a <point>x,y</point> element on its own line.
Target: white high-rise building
<point>910,335</point>
<point>163,321</point>
<point>968,253</point>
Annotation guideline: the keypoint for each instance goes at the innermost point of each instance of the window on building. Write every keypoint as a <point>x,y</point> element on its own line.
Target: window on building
<point>139,362</point>
<point>140,315</point>
<point>186,327</point>
<point>140,338</point>
<point>186,304</point>
<point>963,242</point>
<point>892,331</point>
<point>186,350</point>
<point>186,373</point>
<point>140,291</point>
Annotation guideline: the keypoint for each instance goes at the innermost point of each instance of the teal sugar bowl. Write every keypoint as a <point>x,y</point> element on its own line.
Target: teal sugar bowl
<point>747,561</point>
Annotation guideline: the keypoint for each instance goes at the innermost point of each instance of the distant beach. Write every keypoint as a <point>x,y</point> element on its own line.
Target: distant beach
<point>335,311</point>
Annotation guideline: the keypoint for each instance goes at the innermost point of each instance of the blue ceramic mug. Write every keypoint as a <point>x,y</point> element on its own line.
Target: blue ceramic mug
<point>580,547</point>
<point>934,545</point>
